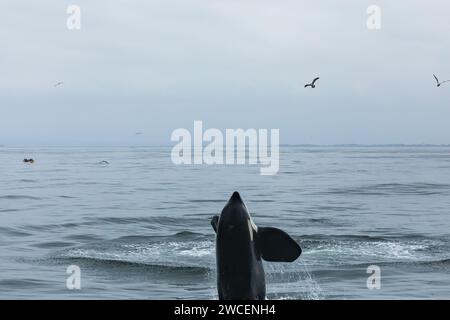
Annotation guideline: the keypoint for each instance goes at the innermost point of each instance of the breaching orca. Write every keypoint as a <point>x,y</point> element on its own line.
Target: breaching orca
<point>240,248</point>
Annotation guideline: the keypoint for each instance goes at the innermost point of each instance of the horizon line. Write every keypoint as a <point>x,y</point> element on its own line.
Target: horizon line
<point>348,145</point>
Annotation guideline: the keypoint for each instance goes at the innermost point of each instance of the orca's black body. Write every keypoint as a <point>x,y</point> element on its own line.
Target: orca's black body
<point>240,248</point>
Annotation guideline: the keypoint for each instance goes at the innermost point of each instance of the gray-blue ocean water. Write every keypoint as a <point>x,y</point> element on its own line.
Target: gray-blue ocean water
<point>140,226</point>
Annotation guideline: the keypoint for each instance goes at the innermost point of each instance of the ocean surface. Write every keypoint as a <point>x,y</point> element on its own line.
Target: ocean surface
<point>139,227</point>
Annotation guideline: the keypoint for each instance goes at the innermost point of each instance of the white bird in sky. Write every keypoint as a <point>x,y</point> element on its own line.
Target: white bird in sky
<point>312,84</point>
<point>439,83</point>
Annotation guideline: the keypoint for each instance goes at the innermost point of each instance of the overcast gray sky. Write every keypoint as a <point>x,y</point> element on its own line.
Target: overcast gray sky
<point>154,66</point>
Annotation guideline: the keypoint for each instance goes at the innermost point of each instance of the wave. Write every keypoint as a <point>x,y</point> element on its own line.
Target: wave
<point>442,262</point>
<point>13,232</point>
<point>360,237</point>
<point>117,263</point>
<point>176,236</point>
<point>22,283</point>
<point>352,251</point>
<point>180,255</point>
<point>28,180</point>
<point>131,220</point>
<point>394,188</point>
<point>19,197</point>
<point>341,270</point>
<point>207,201</point>
<point>92,221</point>
<point>9,210</point>
<point>52,244</point>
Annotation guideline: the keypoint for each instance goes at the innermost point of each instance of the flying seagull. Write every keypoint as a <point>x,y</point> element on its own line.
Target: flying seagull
<point>439,83</point>
<point>58,83</point>
<point>312,84</point>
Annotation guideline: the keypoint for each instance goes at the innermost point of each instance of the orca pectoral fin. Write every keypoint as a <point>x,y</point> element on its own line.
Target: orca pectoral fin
<point>277,245</point>
<point>214,222</point>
